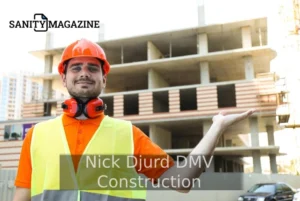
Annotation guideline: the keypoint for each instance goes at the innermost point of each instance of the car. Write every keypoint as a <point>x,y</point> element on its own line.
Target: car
<point>269,192</point>
<point>297,195</point>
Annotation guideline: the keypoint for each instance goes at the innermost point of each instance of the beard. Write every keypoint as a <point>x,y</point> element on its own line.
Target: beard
<point>84,93</point>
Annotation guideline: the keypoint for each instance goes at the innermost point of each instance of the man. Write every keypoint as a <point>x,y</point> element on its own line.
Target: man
<point>83,129</point>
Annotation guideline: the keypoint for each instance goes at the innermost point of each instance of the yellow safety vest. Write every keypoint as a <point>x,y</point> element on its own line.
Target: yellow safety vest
<point>53,175</point>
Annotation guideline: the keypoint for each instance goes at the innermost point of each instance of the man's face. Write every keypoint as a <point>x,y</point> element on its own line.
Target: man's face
<point>84,78</point>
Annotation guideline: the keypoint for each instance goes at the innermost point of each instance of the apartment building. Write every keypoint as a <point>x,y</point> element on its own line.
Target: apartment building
<point>17,88</point>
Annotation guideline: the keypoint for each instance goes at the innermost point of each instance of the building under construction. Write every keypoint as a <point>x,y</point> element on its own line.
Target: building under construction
<point>171,84</point>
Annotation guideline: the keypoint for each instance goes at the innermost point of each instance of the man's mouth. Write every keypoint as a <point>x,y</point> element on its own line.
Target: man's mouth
<point>84,82</point>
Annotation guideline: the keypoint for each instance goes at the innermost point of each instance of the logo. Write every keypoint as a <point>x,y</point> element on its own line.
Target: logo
<point>40,23</point>
<point>42,26</point>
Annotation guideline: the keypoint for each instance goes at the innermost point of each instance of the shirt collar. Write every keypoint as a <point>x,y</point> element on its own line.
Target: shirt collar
<point>67,120</point>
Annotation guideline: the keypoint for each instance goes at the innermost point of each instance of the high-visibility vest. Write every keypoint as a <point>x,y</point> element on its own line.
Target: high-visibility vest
<point>53,174</point>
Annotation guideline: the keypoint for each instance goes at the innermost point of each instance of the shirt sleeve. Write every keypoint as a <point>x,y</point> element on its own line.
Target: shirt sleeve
<point>23,178</point>
<point>152,160</point>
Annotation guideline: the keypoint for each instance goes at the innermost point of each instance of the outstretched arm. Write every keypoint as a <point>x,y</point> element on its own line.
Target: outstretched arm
<point>204,149</point>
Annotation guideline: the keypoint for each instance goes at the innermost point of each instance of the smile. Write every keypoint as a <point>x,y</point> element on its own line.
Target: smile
<point>84,82</point>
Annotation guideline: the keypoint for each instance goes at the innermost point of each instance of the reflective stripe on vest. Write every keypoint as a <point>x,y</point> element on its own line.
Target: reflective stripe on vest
<point>53,174</point>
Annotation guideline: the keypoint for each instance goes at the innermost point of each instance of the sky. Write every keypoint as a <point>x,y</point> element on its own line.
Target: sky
<point>121,19</point>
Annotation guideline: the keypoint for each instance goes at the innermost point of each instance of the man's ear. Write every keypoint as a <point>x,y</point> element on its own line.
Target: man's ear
<point>63,78</point>
<point>104,80</point>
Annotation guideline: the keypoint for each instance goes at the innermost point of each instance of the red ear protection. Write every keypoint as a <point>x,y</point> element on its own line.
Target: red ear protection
<point>91,109</point>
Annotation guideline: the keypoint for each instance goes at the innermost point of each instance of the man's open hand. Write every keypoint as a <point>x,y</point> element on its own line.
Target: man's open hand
<point>224,120</point>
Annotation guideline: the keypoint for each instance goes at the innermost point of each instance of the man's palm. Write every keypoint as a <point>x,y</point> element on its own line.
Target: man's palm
<point>227,120</point>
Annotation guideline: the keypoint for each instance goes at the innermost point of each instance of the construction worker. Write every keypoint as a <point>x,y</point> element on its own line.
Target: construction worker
<point>84,129</point>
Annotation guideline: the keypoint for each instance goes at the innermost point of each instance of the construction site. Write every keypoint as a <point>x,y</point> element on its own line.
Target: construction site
<point>171,84</point>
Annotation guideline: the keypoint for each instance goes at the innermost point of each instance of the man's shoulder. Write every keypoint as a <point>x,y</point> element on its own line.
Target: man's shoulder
<point>48,122</point>
<point>117,120</point>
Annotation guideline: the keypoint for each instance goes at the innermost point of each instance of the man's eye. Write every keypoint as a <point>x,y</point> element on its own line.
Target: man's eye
<point>93,68</point>
<point>76,68</point>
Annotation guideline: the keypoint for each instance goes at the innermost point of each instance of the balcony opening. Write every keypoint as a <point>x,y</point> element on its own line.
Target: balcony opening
<point>126,53</point>
<point>183,140</point>
<point>224,40</point>
<point>109,102</point>
<point>282,98</point>
<point>131,104</point>
<point>145,129</point>
<point>268,98</point>
<point>50,108</point>
<point>226,96</point>
<point>175,46</point>
<point>171,74</point>
<point>281,119</point>
<point>160,101</point>
<point>127,80</point>
<point>188,99</point>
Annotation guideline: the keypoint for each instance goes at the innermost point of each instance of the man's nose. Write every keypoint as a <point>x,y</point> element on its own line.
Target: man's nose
<point>84,71</point>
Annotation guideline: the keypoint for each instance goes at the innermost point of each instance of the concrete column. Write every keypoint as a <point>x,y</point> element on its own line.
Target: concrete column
<point>48,63</point>
<point>211,164</point>
<point>201,15</point>
<point>47,84</point>
<point>155,80</point>
<point>270,131</point>
<point>206,125</point>
<point>49,37</point>
<point>202,43</point>
<point>255,143</point>
<point>204,72</point>
<point>273,163</point>
<point>153,52</point>
<point>160,136</point>
<point>256,162</point>
<point>47,89</point>
<point>254,131</point>
<point>101,32</point>
<point>246,37</point>
<point>249,68</point>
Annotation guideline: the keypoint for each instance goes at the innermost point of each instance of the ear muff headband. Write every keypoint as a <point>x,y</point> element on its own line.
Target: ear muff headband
<point>92,109</point>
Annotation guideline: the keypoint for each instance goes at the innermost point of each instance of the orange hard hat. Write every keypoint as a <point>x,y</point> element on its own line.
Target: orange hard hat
<point>83,48</point>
